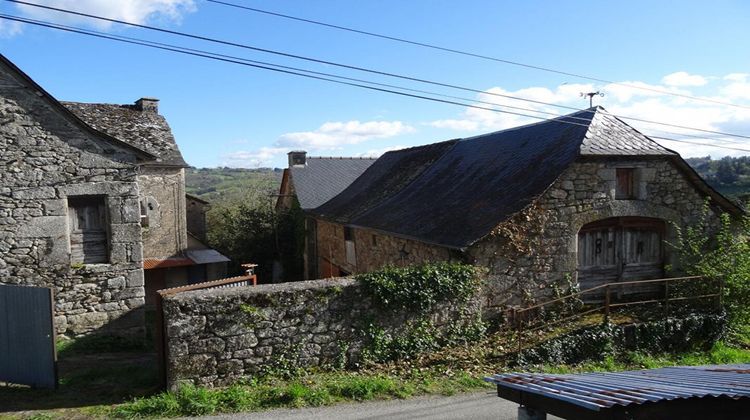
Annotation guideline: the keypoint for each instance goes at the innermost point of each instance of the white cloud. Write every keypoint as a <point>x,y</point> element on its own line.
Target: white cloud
<point>737,77</point>
<point>682,78</point>
<point>262,157</point>
<point>379,152</point>
<point>9,28</point>
<point>458,125</point>
<point>334,135</point>
<point>329,136</point>
<point>627,101</point>
<point>133,11</point>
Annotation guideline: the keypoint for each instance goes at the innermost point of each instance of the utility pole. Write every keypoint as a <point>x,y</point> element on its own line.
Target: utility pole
<point>591,96</point>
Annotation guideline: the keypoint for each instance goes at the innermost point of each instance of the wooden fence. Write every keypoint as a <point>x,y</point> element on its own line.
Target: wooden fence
<point>665,292</point>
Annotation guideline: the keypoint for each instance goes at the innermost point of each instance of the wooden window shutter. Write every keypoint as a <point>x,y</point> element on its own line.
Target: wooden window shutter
<point>88,230</point>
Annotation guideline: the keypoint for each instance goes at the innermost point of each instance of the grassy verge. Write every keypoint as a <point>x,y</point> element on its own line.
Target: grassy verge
<point>319,389</point>
<point>311,390</point>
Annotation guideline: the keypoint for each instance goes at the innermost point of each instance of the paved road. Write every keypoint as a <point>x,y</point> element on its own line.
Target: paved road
<point>479,406</point>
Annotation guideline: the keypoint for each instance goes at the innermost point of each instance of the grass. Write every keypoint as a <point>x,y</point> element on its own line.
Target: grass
<point>310,390</point>
<point>98,384</point>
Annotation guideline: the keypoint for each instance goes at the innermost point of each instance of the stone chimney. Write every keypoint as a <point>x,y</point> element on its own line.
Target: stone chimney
<point>147,105</point>
<point>297,158</point>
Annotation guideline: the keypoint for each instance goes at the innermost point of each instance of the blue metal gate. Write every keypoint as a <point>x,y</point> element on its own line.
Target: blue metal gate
<point>27,336</point>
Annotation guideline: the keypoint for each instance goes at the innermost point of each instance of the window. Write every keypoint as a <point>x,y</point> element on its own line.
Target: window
<point>625,188</point>
<point>144,214</point>
<point>351,255</point>
<point>87,220</point>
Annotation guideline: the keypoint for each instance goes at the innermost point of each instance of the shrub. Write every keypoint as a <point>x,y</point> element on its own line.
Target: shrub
<point>421,287</point>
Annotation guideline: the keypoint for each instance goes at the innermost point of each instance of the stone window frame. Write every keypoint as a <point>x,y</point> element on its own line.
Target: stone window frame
<point>103,206</point>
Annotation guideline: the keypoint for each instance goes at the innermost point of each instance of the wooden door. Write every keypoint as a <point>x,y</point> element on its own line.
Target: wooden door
<point>620,249</point>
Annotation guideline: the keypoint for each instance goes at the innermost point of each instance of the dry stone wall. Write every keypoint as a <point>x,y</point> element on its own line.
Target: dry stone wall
<point>215,337</point>
<point>45,158</point>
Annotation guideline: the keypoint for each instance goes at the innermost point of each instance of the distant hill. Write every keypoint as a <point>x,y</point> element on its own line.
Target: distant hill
<point>232,184</point>
<point>728,175</point>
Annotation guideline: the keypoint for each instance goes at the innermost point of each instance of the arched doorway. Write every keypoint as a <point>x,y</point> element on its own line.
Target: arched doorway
<point>620,249</point>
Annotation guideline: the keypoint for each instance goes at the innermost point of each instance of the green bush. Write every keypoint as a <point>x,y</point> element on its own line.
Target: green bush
<point>722,255</point>
<point>421,287</point>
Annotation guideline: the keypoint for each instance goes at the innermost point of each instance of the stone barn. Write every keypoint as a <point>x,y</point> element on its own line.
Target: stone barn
<point>583,198</point>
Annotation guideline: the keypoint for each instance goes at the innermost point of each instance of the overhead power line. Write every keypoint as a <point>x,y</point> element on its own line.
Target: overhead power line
<point>471,54</point>
<point>273,67</point>
<point>351,67</point>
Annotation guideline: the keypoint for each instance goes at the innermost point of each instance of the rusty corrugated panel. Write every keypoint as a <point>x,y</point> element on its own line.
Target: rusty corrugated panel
<point>596,391</point>
<point>151,263</point>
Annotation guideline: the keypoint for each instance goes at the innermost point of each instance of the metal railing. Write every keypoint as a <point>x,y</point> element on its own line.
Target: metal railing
<point>521,317</point>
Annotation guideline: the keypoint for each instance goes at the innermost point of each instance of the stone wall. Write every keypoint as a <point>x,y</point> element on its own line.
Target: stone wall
<point>375,250</point>
<point>45,158</point>
<point>537,249</point>
<point>196,218</point>
<point>164,190</point>
<point>215,337</point>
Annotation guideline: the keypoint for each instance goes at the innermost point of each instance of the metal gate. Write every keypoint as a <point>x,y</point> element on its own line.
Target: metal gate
<point>27,336</point>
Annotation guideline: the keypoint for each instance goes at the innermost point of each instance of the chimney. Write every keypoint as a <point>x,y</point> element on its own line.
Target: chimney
<point>147,105</point>
<point>297,158</point>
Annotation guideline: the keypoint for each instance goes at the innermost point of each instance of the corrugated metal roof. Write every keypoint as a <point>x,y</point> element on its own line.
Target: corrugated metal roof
<point>151,263</point>
<point>596,391</point>
<point>206,256</point>
<point>322,178</point>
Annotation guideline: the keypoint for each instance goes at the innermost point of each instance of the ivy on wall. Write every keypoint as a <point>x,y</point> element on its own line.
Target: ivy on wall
<point>421,287</point>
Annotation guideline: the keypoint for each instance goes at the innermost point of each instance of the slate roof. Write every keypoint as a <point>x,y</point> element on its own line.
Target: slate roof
<point>322,178</point>
<point>454,193</point>
<point>146,130</point>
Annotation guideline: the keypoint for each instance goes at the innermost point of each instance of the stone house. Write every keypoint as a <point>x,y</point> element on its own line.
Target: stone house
<point>309,182</point>
<point>69,210</point>
<point>583,199</point>
<point>172,256</point>
<point>88,191</point>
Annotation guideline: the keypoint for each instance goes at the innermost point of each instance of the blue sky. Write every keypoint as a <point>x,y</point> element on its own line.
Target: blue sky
<point>228,115</point>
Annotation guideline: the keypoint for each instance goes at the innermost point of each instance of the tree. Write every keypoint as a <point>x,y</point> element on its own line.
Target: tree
<point>722,254</point>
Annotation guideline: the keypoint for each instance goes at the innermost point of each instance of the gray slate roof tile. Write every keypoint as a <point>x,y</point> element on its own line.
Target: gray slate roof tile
<point>322,178</point>
<point>454,193</point>
<point>145,130</point>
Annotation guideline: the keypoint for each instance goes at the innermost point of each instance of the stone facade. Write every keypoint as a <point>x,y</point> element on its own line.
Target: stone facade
<point>163,196</point>
<point>537,248</point>
<point>215,337</point>
<point>373,250</point>
<point>196,217</point>
<point>46,158</point>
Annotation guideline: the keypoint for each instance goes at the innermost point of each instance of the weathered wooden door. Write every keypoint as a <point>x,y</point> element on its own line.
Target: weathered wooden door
<point>620,249</point>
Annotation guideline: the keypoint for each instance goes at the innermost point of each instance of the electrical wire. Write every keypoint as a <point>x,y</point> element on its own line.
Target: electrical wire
<point>234,60</point>
<point>470,54</point>
<point>382,73</point>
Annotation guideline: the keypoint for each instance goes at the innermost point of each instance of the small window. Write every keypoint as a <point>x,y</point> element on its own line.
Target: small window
<point>144,214</point>
<point>374,240</point>
<point>87,219</point>
<point>625,189</point>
